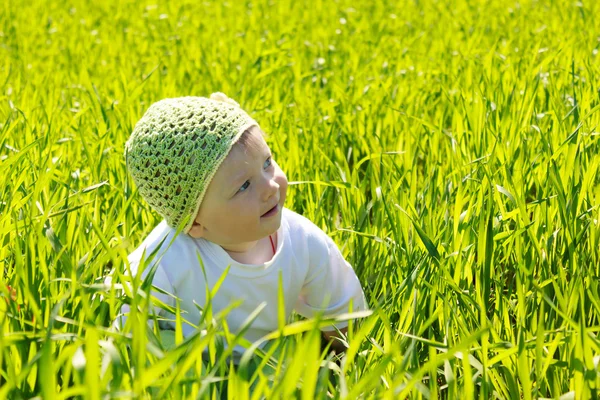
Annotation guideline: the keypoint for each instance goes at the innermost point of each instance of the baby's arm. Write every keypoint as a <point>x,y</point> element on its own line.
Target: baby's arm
<point>331,286</point>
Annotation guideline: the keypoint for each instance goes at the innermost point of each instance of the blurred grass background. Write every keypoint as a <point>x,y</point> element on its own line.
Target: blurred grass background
<point>452,149</point>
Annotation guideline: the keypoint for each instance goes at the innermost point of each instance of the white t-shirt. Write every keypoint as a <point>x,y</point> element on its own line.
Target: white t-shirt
<point>315,277</point>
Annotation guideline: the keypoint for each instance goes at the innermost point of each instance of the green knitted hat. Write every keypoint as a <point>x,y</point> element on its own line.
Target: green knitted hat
<point>176,148</point>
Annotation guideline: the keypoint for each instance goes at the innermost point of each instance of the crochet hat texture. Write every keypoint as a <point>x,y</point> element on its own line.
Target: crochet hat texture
<point>176,148</point>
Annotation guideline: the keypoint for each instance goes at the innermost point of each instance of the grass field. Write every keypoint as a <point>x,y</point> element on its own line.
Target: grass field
<point>450,148</point>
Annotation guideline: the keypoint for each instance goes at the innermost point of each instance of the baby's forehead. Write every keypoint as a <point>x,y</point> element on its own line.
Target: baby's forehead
<point>251,141</point>
<point>253,136</point>
<point>250,146</point>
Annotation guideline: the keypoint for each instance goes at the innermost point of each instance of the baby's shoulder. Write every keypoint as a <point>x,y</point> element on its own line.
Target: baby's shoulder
<point>299,223</point>
<point>301,227</point>
<point>163,245</point>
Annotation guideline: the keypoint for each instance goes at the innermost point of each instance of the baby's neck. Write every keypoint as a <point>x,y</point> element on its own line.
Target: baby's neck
<point>258,253</point>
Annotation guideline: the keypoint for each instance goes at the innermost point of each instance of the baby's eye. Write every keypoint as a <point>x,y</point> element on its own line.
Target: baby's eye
<point>244,186</point>
<point>267,163</point>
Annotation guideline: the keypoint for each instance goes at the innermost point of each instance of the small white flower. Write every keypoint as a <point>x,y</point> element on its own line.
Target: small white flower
<point>78,360</point>
<point>570,100</point>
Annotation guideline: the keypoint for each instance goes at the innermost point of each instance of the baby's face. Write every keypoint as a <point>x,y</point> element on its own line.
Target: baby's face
<point>244,201</point>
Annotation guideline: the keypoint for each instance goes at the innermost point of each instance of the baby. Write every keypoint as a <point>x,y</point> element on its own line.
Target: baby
<point>204,166</point>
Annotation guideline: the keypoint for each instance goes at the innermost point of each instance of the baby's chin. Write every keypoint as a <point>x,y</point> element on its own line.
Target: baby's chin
<point>271,231</point>
<point>276,224</point>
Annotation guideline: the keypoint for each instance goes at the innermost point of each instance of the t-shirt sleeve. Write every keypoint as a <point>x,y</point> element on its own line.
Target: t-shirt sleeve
<point>161,281</point>
<point>331,284</point>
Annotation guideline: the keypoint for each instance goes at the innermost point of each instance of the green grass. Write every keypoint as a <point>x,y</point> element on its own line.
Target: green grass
<point>451,149</point>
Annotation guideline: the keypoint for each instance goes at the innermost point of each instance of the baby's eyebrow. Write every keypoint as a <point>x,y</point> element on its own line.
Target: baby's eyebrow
<point>240,177</point>
<point>236,179</point>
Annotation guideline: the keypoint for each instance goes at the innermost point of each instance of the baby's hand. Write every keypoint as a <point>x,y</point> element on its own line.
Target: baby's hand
<point>333,338</point>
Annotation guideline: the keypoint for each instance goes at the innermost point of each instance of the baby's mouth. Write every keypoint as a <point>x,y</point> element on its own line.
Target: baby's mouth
<point>271,212</point>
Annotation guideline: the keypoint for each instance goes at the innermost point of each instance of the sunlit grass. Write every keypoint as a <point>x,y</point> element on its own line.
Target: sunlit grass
<point>450,148</point>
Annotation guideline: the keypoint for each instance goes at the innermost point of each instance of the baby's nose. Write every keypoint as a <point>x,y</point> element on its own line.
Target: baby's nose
<point>272,189</point>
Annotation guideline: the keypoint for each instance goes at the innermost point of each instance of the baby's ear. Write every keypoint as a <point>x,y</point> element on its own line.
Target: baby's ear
<point>197,230</point>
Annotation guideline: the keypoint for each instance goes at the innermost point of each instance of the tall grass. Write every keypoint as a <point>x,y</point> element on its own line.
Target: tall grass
<point>450,148</point>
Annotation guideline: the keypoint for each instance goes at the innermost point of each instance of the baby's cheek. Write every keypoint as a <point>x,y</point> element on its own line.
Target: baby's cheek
<point>282,181</point>
<point>283,184</point>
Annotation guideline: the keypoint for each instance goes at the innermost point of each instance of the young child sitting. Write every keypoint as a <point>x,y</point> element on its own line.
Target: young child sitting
<point>203,162</point>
